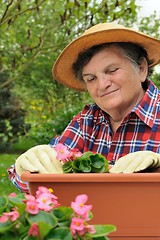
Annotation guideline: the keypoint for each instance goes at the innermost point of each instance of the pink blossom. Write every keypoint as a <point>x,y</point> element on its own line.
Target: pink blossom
<point>48,191</point>
<point>42,190</point>
<point>81,232</point>
<point>44,202</point>
<point>77,224</point>
<point>45,190</point>
<point>3,218</point>
<point>62,152</point>
<point>15,208</point>
<point>74,153</point>
<point>87,228</point>
<point>12,194</point>
<point>90,229</point>
<point>55,203</point>
<point>54,200</point>
<point>12,215</point>
<point>34,230</point>
<point>29,198</point>
<point>79,205</point>
<point>32,207</point>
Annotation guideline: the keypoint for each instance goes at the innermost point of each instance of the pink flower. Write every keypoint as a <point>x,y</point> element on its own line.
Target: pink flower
<point>74,153</point>
<point>79,205</point>
<point>29,198</point>
<point>44,202</point>
<point>90,229</point>
<point>42,190</point>
<point>77,224</point>
<point>34,230</point>
<point>43,196</point>
<point>12,215</point>
<point>3,218</point>
<point>62,152</point>
<point>12,194</point>
<point>32,207</point>
<point>55,203</point>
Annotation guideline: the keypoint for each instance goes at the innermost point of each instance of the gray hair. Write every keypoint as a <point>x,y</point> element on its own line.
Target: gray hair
<point>133,52</point>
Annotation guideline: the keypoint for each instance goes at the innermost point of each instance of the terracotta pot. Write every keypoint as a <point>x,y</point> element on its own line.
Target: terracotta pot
<point>131,202</point>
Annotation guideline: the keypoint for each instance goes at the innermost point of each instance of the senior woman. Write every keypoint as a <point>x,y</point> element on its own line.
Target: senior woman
<point>112,63</point>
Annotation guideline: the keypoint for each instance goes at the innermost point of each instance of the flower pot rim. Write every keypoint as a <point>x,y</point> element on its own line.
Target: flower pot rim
<point>91,177</point>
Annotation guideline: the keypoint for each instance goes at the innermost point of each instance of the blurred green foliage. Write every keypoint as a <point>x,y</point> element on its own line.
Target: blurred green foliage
<point>6,187</point>
<point>12,124</point>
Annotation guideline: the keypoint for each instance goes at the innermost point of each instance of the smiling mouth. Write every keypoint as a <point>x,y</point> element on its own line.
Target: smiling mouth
<point>108,93</point>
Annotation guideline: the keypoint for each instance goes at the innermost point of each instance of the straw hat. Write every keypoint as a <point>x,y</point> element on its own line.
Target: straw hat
<point>98,34</point>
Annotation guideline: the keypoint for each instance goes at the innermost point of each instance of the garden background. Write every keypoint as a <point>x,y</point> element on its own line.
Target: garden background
<point>34,107</point>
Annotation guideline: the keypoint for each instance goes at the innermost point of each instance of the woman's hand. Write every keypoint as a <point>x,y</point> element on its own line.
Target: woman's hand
<point>136,162</point>
<point>41,159</point>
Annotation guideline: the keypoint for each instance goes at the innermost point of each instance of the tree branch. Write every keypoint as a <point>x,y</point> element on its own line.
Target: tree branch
<point>18,13</point>
<point>6,10</point>
<point>25,66</point>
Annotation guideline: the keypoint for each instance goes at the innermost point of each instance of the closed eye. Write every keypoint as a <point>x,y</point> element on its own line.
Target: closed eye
<point>89,79</point>
<point>110,71</point>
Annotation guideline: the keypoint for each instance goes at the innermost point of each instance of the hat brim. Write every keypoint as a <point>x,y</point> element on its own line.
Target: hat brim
<point>62,68</point>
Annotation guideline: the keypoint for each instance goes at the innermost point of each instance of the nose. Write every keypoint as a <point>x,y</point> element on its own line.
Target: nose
<point>103,81</point>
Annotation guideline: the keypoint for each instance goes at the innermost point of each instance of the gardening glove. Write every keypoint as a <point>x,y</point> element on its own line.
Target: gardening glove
<point>136,162</point>
<point>41,159</point>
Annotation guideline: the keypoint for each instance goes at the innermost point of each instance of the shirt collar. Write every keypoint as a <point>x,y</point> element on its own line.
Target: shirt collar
<point>99,115</point>
<point>146,108</point>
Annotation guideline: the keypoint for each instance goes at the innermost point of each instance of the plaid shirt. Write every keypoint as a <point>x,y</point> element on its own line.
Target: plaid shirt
<point>90,130</point>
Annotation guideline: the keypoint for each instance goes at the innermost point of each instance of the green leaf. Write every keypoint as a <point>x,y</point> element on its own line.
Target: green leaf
<point>103,169</point>
<point>9,235</point>
<point>97,161</point>
<point>86,155</point>
<point>45,221</point>
<point>59,234</point>
<point>85,165</point>
<point>67,167</point>
<point>3,203</point>
<point>101,238</point>
<point>102,230</point>
<point>88,162</point>
<point>30,238</point>
<point>76,164</point>
<point>22,229</point>
<point>6,226</point>
<point>17,200</point>
<point>63,213</point>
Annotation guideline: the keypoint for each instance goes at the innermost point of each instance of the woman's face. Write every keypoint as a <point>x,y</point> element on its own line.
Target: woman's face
<point>113,82</point>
